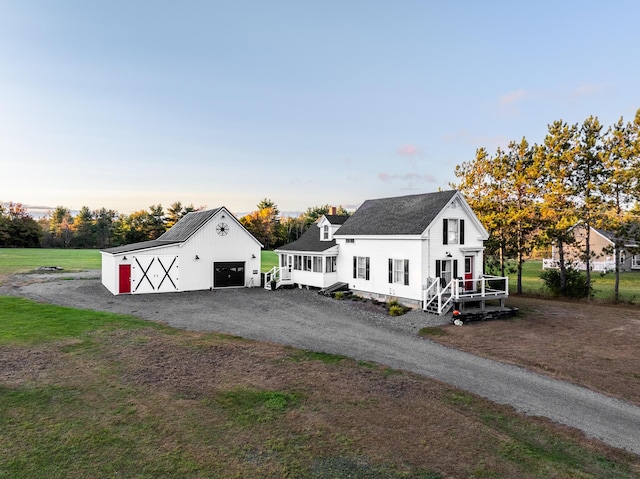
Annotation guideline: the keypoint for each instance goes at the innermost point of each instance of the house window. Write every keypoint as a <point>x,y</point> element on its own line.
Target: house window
<point>452,231</point>
<point>350,240</point>
<point>297,262</point>
<point>325,232</point>
<point>361,267</point>
<point>331,264</point>
<point>317,264</point>
<point>399,271</point>
<point>306,263</point>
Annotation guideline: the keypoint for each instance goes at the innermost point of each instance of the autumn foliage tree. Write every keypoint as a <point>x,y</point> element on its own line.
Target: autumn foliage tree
<point>581,174</point>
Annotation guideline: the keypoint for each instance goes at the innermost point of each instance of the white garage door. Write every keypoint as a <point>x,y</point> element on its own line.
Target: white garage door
<point>155,274</point>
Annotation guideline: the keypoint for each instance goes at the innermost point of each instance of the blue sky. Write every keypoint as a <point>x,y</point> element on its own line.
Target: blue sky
<point>124,104</point>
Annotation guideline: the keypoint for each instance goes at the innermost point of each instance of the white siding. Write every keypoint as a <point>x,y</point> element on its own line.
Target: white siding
<point>379,250</point>
<point>109,273</point>
<point>473,241</point>
<point>210,247</point>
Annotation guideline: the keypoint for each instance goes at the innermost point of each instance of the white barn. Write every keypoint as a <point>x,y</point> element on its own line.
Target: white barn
<point>204,250</point>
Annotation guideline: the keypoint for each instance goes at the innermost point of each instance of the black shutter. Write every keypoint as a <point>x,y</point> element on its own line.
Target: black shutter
<point>355,266</point>
<point>406,272</point>
<point>455,268</point>
<point>461,231</point>
<point>445,231</point>
<point>390,270</point>
<point>438,268</point>
<point>367,272</point>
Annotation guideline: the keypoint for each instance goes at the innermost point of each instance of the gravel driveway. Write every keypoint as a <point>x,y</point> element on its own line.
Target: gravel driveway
<point>303,319</point>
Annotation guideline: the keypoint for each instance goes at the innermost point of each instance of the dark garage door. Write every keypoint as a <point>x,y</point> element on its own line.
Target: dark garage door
<point>228,274</point>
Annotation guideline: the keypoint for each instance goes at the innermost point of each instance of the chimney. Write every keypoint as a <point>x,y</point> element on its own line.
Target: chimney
<point>333,210</point>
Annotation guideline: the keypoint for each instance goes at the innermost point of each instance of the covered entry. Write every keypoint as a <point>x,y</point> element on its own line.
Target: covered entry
<point>228,274</point>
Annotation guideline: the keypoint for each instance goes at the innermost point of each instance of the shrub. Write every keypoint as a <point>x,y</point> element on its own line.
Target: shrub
<point>339,295</point>
<point>396,310</point>
<point>575,283</point>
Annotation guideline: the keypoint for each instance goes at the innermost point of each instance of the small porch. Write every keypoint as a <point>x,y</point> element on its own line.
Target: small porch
<point>439,298</point>
<point>277,276</point>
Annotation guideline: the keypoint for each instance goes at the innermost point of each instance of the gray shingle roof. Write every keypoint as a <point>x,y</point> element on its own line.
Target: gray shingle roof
<point>188,225</point>
<point>138,246</point>
<point>178,233</point>
<point>336,219</point>
<point>309,241</point>
<point>401,215</point>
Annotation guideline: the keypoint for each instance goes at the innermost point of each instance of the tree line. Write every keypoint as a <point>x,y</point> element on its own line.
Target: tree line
<point>532,195</point>
<point>104,228</point>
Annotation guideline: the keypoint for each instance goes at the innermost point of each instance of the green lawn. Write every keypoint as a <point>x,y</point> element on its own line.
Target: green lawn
<point>269,260</point>
<point>602,284</point>
<point>17,260</point>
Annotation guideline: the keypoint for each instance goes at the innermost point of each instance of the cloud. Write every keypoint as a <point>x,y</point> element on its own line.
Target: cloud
<point>409,150</point>
<point>589,89</point>
<point>410,177</point>
<point>513,97</point>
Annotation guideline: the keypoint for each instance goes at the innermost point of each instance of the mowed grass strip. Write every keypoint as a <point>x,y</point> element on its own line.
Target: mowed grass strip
<point>27,322</point>
<point>21,260</point>
<point>153,402</point>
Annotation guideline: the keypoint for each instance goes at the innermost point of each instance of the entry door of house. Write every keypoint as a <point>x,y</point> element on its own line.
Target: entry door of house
<point>468,273</point>
<point>445,274</point>
<point>124,278</point>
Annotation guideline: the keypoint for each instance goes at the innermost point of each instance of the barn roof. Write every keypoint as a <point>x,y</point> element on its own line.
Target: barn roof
<point>178,233</point>
<point>401,215</point>
<point>126,248</point>
<point>188,225</point>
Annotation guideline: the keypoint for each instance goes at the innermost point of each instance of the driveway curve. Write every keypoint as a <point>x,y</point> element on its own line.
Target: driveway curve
<point>303,319</point>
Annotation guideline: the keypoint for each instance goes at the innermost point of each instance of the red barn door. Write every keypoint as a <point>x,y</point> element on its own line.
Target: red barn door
<point>124,276</point>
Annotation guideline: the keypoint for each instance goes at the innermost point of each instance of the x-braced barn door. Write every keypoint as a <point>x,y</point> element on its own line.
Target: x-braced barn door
<point>155,274</point>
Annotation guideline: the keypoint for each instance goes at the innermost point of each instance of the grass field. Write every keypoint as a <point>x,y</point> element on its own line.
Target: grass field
<point>86,394</point>
<point>22,260</point>
<point>603,284</point>
<point>18,260</point>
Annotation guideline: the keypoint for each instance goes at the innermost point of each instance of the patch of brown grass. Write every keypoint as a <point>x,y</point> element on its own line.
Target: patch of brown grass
<point>594,345</point>
<point>157,393</point>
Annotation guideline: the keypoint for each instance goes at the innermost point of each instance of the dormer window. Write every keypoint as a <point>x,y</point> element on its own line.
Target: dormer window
<point>325,232</point>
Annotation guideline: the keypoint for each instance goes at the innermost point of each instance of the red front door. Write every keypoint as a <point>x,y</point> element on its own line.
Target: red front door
<point>124,276</point>
<point>468,273</point>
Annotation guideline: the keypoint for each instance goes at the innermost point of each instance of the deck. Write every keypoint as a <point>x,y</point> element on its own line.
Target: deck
<point>440,299</point>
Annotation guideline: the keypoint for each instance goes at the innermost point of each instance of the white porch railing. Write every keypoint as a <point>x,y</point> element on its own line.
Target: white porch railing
<point>439,299</point>
<point>279,275</point>
<point>602,266</point>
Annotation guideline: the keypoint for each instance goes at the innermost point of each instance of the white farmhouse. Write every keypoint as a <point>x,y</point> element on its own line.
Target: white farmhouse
<point>424,249</point>
<point>203,250</point>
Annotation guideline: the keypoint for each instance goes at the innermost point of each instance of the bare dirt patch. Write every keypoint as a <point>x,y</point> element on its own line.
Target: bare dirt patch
<point>590,344</point>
